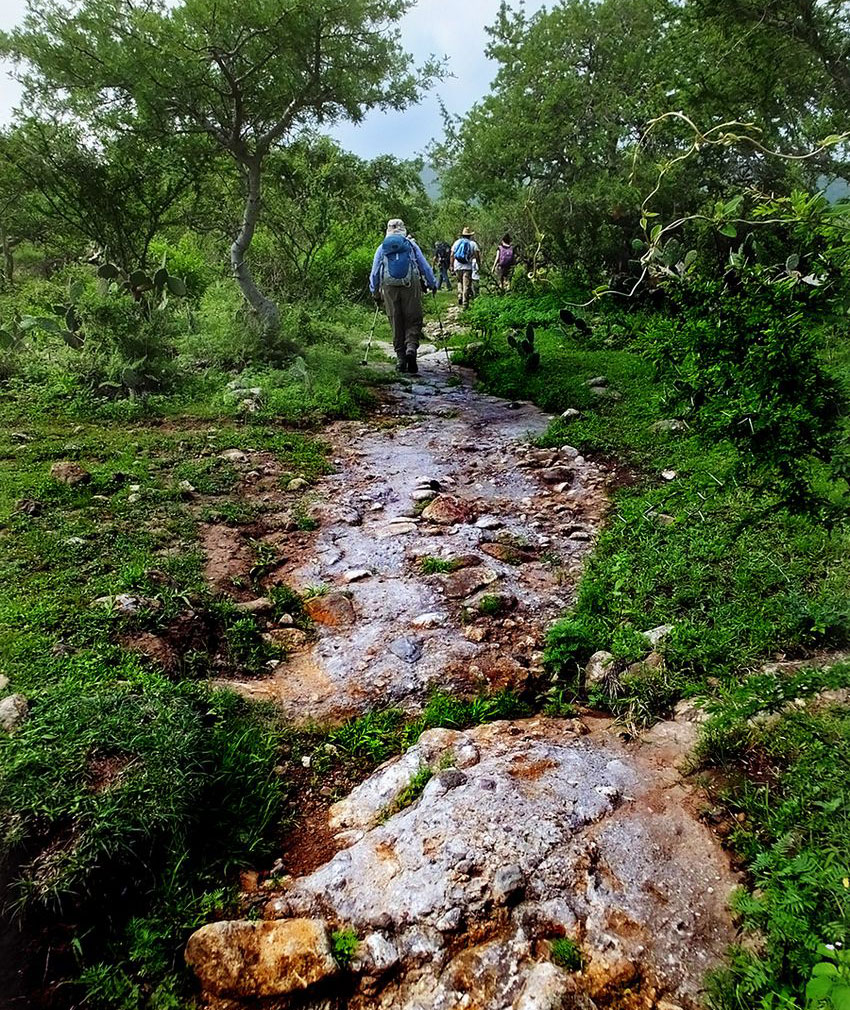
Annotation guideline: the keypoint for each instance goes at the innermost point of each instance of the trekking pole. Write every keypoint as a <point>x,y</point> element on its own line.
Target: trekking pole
<point>365,360</point>
<point>443,338</point>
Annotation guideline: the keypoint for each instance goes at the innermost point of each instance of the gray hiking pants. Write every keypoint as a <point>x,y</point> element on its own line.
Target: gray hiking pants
<point>404,310</point>
<point>465,293</point>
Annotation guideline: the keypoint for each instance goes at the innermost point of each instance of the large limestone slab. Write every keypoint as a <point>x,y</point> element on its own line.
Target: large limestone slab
<point>526,832</point>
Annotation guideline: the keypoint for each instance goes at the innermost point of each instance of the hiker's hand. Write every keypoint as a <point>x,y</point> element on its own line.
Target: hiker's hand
<point>378,298</point>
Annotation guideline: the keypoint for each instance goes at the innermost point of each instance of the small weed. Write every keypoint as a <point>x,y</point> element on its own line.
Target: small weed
<point>490,605</point>
<point>437,566</point>
<point>409,795</point>
<point>343,946</point>
<point>312,592</point>
<point>566,953</point>
<point>303,518</point>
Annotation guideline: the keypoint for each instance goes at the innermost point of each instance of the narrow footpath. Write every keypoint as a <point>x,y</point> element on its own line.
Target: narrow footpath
<point>529,865</point>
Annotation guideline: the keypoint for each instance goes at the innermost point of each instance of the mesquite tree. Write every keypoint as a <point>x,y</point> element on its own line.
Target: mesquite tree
<point>244,74</point>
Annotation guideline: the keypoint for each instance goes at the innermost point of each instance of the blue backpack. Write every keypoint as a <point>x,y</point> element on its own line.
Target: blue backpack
<point>463,251</point>
<point>399,262</point>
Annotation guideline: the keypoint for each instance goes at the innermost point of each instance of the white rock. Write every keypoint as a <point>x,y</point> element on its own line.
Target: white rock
<point>431,620</point>
<point>13,710</point>
<point>489,523</point>
<point>297,484</point>
<point>655,636</point>
<point>598,668</point>
<point>356,575</point>
<point>669,474</point>
<point>234,456</point>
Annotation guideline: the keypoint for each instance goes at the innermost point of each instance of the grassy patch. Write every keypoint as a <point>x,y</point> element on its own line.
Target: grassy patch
<point>409,795</point>
<point>781,772</point>
<point>566,953</point>
<point>437,566</point>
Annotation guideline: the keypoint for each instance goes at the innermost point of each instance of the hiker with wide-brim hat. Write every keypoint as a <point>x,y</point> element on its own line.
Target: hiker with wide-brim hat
<point>398,272</point>
<point>465,252</point>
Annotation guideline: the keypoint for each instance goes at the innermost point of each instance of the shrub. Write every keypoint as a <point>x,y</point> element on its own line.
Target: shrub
<point>747,364</point>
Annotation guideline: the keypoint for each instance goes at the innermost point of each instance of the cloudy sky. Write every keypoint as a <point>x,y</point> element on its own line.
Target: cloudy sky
<point>454,28</point>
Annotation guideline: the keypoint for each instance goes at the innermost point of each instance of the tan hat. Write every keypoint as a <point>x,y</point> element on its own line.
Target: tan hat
<point>467,233</point>
<point>395,226</point>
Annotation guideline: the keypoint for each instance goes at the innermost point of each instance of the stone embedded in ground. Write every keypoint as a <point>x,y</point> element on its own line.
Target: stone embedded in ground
<point>423,495</point>
<point>332,609</point>
<point>407,649</point>
<point>68,472</point>
<point>398,527</point>
<point>287,638</point>
<point>258,606</point>
<point>570,413</point>
<point>549,832</point>
<point>599,380</point>
<point>466,581</point>
<point>297,484</point>
<point>13,710</point>
<point>448,510</point>
<point>430,620</point>
<point>356,575</point>
<point>656,636</point>
<point>126,604</point>
<point>510,555</point>
<point>245,959</point>
<point>599,669</point>
<point>668,425</point>
<point>489,523</point>
<point>557,474</point>
<point>234,456</point>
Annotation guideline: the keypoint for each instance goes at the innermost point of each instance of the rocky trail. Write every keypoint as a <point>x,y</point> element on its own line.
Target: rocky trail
<point>529,865</point>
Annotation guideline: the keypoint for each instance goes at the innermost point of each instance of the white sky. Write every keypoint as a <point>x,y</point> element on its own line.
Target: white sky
<point>454,28</point>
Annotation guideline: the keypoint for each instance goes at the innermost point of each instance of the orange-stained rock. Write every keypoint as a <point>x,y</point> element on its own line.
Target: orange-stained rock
<point>448,509</point>
<point>245,959</point>
<point>335,610</point>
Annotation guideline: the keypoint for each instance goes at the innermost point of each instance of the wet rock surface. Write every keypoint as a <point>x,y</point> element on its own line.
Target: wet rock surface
<point>523,832</point>
<point>539,829</point>
<point>444,473</point>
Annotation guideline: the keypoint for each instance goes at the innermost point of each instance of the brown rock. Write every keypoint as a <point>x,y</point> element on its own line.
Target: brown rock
<point>447,510</point>
<point>557,474</point>
<point>287,638</point>
<point>510,555</point>
<point>245,959</point>
<point>458,585</point>
<point>70,473</point>
<point>334,610</point>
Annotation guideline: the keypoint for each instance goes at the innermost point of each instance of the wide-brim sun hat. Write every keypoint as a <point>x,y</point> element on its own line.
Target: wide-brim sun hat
<point>468,233</point>
<point>395,226</point>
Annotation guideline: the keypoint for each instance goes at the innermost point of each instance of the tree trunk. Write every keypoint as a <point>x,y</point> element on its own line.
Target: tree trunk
<point>267,311</point>
<point>8,258</point>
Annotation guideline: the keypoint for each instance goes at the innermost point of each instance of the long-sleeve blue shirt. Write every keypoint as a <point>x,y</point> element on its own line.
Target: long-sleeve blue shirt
<point>421,265</point>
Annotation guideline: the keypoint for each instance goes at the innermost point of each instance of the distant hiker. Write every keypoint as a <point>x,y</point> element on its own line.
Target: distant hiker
<point>442,262</point>
<point>476,279</point>
<point>503,265</point>
<point>464,253</point>
<point>398,272</point>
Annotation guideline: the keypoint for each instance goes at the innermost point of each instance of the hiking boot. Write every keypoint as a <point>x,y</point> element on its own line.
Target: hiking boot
<point>412,367</point>
<point>401,363</point>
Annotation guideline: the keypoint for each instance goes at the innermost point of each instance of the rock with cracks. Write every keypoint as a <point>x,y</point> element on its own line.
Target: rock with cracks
<point>245,959</point>
<point>547,831</point>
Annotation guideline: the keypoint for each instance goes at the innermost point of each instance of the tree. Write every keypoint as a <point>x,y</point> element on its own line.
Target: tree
<point>577,85</point>
<point>244,74</point>
<point>322,202</point>
<point>112,196</point>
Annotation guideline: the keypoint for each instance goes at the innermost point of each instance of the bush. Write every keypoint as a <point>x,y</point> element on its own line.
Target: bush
<point>187,260</point>
<point>746,363</point>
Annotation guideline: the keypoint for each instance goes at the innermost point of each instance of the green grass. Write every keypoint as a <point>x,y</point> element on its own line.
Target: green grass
<point>783,782</point>
<point>129,787</point>
<point>566,954</point>
<point>437,566</point>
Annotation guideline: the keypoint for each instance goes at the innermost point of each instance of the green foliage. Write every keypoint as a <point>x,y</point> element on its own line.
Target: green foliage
<point>437,566</point>
<point>566,953</point>
<point>787,782</point>
<point>410,794</point>
<point>746,365</point>
<point>343,946</point>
